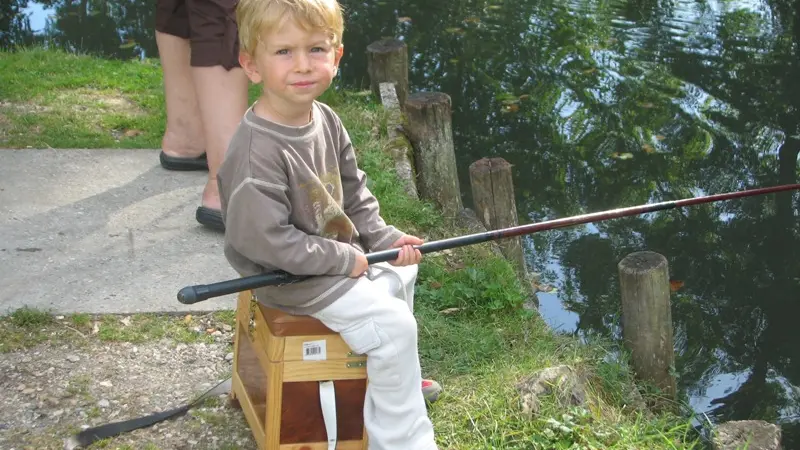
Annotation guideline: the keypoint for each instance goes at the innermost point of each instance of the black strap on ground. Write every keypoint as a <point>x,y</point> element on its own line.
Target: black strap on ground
<point>91,435</point>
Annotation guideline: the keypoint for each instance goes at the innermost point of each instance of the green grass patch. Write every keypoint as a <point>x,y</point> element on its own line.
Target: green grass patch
<point>27,327</point>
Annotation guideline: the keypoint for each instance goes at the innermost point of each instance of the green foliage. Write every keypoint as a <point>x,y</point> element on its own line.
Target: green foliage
<point>485,284</point>
<point>27,317</point>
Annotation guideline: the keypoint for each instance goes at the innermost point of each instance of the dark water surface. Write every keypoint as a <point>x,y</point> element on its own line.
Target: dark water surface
<point>600,105</point>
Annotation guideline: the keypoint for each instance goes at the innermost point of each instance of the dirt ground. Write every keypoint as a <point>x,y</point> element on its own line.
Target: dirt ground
<point>55,389</point>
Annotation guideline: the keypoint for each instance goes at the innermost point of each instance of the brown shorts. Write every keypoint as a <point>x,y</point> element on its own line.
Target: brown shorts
<point>210,26</point>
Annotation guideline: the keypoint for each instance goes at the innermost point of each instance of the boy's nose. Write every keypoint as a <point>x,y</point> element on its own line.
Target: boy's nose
<point>301,63</point>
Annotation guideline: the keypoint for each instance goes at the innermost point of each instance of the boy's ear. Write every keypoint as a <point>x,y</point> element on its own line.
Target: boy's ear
<point>249,65</point>
<point>339,53</point>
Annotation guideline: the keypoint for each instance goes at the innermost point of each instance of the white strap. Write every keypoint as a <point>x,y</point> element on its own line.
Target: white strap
<point>327,399</point>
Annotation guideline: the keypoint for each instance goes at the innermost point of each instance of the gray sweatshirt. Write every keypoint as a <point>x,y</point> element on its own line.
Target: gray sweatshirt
<point>293,198</point>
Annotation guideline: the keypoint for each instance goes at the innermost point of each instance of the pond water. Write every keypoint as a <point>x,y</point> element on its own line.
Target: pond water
<point>600,105</point>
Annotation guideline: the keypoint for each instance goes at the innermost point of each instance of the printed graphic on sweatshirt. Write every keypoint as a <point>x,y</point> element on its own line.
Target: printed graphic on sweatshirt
<point>325,198</point>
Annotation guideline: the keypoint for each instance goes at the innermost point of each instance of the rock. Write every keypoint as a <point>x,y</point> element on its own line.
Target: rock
<point>73,358</point>
<point>103,403</point>
<point>106,384</point>
<point>563,381</point>
<point>750,434</point>
<point>229,356</point>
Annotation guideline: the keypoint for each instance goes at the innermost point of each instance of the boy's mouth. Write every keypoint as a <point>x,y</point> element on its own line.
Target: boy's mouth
<point>303,84</point>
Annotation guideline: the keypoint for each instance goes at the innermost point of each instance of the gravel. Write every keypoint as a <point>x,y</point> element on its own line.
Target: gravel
<point>54,390</point>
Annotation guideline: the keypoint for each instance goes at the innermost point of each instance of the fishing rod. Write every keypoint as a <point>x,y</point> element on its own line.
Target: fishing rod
<point>198,293</point>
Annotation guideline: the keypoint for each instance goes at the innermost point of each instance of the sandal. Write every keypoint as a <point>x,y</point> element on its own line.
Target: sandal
<point>179,163</point>
<point>211,218</point>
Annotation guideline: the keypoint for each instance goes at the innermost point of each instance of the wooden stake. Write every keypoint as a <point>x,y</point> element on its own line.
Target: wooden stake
<point>493,196</point>
<point>647,318</point>
<point>428,126</point>
<point>387,60</point>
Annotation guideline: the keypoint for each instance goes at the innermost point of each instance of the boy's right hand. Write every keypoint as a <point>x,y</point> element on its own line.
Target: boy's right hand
<point>361,266</point>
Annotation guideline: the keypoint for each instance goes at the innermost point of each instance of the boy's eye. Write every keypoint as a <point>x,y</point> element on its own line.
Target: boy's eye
<point>282,52</point>
<point>317,49</point>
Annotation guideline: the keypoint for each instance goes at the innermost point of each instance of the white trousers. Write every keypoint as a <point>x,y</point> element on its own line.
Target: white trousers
<point>376,318</point>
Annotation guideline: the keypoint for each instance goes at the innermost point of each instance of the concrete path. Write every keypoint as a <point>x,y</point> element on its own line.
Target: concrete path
<point>103,231</point>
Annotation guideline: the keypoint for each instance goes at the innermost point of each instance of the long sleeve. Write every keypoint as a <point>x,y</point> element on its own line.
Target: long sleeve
<point>257,227</point>
<point>360,205</point>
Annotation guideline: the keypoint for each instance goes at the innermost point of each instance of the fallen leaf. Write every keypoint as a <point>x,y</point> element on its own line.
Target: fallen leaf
<point>96,327</point>
<point>454,30</point>
<point>618,155</point>
<point>647,105</point>
<point>472,20</point>
<point>404,19</point>
<point>660,137</point>
<point>546,288</point>
<point>524,97</point>
<point>511,108</point>
<point>132,133</point>
<point>126,321</point>
<point>128,44</point>
<point>449,310</point>
<point>648,148</point>
<point>675,285</point>
<point>188,319</point>
<point>495,7</point>
<point>436,284</point>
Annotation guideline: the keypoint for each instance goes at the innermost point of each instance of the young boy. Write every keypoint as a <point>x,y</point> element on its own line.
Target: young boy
<point>293,198</point>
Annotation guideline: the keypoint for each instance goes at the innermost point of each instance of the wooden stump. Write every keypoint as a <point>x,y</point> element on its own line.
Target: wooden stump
<point>387,61</point>
<point>647,318</point>
<point>428,126</point>
<point>493,196</point>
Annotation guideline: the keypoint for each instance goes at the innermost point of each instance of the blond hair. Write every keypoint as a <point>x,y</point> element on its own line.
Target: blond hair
<point>257,17</point>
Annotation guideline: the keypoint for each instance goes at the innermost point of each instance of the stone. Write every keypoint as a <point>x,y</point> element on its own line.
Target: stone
<point>750,434</point>
<point>563,381</point>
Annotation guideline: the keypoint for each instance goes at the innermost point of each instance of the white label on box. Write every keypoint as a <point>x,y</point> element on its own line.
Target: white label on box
<point>314,351</point>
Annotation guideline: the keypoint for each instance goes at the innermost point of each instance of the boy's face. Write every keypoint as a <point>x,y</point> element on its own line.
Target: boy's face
<point>295,66</point>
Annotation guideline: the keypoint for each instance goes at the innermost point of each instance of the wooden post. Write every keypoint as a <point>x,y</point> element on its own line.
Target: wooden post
<point>647,318</point>
<point>493,196</point>
<point>387,60</point>
<point>428,126</point>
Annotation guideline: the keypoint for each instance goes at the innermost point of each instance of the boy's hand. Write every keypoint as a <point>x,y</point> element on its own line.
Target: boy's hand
<point>361,266</point>
<point>408,255</point>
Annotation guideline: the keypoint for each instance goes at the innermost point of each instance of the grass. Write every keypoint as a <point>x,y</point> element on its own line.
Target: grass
<point>475,336</point>
<point>25,328</point>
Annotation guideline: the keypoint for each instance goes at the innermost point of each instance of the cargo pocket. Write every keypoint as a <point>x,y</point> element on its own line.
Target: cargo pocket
<point>362,338</point>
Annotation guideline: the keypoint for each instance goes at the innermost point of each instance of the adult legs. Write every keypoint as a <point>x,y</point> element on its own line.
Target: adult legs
<point>205,90</point>
<point>222,97</point>
<point>183,136</point>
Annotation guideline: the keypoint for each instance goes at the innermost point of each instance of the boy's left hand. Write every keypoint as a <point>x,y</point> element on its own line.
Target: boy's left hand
<point>408,255</point>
